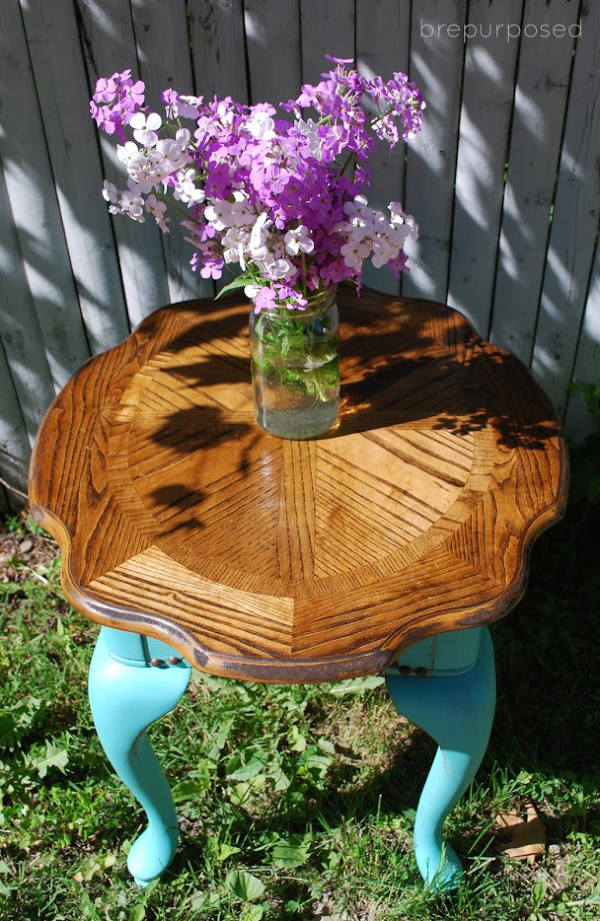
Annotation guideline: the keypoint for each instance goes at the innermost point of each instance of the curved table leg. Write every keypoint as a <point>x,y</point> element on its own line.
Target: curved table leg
<point>458,712</point>
<point>126,695</point>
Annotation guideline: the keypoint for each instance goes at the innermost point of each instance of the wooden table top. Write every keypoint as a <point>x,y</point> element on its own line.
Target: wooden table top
<point>276,560</point>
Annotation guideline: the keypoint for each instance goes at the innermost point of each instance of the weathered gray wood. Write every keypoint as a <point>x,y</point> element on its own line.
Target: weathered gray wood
<point>436,66</point>
<point>540,99</point>
<point>217,36</point>
<point>579,422</point>
<point>14,444</point>
<point>487,98</point>
<point>328,27</point>
<point>110,46</point>
<point>382,41</point>
<point>34,206</point>
<point>20,333</point>
<point>163,52</point>
<point>273,46</point>
<point>66,286</point>
<point>59,72</point>
<point>574,221</point>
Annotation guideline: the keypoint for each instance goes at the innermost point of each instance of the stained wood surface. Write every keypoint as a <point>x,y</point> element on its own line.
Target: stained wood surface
<point>276,560</point>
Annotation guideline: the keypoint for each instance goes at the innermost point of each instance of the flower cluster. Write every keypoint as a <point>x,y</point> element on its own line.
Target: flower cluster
<point>267,194</point>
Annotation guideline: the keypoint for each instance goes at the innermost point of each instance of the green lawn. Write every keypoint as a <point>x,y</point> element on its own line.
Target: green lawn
<point>298,802</point>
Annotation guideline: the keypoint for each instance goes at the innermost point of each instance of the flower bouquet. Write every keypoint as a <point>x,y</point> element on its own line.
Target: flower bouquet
<point>283,199</point>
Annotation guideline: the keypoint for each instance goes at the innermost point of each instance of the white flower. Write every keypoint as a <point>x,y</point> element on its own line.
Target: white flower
<point>275,268</point>
<point>258,235</point>
<point>109,192</point>
<point>359,207</point>
<point>399,217</point>
<point>222,214</point>
<point>145,128</point>
<point>354,252</point>
<point>260,125</point>
<point>131,155</point>
<point>215,213</point>
<point>309,130</point>
<point>140,182</point>
<point>133,205</point>
<point>157,209</point>
<point>382,252</point>
<point>188,106</point>
<point>251,290</point>
<point>169,156</point>
<point>186,190</point>
<point>235,242</point>
<point>299,240</point>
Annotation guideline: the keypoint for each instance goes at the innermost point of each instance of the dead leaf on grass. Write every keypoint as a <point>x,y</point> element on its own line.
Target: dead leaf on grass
<point>519,836</point>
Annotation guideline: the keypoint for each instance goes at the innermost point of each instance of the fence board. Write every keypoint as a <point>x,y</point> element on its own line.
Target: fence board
<point>382,47</point>
<point>540,101</point>
<point>14,444</point>
<point>34,207</point>
<point>328,27</point>
<point>574,221</point>
<point>578,420</point>
<point>219,55</point>
<point>160,28</point>
<point>273,44</point>
<point>487,101</point>
<point>436,65</point>
<point>19,328</point>
<point>61,85</point>
<point>110,46</point>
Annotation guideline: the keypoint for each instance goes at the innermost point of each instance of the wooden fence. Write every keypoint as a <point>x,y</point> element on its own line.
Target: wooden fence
<point>504,179</point>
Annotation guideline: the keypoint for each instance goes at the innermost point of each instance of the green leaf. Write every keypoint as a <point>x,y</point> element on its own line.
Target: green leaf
<point>357,685</point>
<point>138,913</point>
<point>254,767</point>
<point>326,746</point>
<point>240,793</point>
<point>297,740</point>
<point>539,892</point>
<point>54,757</point>
<point>253,913</point>
<point>187,790</point>
<point>221,738</point>
<point>290,853</point>
<point>282,781</point>
<point>16,720</point>
<point>94,865</point>
<point>226,850</point>
<point>243,885</point>
<point>88,909</point>
<point>240,282</point>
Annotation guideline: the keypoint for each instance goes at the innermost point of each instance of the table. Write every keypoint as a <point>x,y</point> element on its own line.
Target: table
<point>388,544</point>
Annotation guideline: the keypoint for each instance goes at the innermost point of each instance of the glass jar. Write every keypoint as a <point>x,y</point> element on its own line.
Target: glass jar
<point>295,367</point>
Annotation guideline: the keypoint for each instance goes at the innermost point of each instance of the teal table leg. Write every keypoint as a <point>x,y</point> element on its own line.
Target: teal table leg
<point>457,710</point>
<point>126,695</point>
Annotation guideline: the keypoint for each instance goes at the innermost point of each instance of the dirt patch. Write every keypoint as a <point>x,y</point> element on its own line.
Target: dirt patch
<point>23,553</point>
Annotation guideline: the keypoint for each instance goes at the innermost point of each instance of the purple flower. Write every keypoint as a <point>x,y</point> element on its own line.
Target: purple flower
<point>115,101</point>
<point>283,200</point>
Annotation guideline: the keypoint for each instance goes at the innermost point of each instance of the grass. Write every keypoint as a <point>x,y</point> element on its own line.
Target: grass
<point>298,802</point>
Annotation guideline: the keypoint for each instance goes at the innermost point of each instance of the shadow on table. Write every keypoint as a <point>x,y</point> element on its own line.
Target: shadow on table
<point>421,368</point>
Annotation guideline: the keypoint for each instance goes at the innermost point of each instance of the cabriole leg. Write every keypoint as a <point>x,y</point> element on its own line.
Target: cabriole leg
<point>126,696</point>
<point>457,711</point>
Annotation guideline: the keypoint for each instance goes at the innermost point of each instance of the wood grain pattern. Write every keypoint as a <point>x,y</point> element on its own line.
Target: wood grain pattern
<point>276,560</point>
